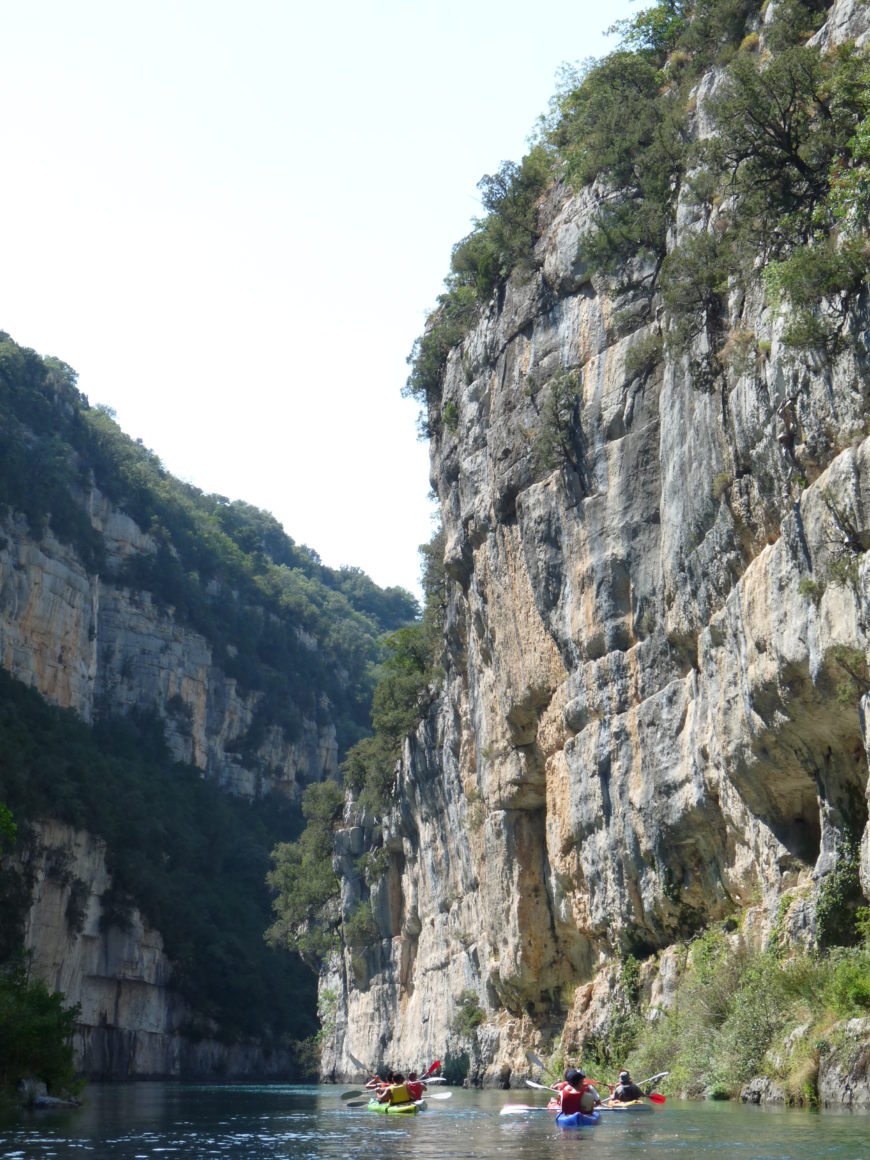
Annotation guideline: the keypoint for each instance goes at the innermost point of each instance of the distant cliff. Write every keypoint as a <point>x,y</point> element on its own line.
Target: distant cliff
<point>203,647</point>
<point>655,493</point>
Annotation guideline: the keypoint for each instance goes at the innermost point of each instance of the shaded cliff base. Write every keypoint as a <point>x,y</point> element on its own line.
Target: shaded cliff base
<point>133,1020</point>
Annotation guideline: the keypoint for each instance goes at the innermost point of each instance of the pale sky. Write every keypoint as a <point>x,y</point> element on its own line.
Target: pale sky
<point>233,218</point>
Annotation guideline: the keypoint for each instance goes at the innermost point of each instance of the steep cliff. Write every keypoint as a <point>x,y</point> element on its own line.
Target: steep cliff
<point>654,709</point>
<point>222,669</point>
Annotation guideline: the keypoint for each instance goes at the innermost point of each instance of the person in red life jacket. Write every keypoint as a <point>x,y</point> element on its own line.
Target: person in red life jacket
<point>576,1093</point>
<point>415,1086</point>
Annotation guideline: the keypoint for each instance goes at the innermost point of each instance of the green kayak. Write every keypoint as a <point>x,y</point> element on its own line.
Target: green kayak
<point>397,1109</point>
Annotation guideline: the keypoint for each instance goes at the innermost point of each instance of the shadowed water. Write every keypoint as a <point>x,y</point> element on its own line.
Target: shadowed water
<point>246,1122</point>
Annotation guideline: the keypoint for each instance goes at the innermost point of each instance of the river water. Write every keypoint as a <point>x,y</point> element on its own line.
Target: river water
<point>139,1121</point>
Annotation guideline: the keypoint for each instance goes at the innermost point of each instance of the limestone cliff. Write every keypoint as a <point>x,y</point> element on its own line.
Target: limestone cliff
<point>655,704</point>
<point>88,643</point>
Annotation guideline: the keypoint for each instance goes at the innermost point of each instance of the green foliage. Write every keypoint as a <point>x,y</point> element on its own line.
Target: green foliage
<point>404,692</point>
<point>811,589</point>
<point>36,1032</point>
<point>360,929</point>
<point>839,897</point>
<point>446,327</point>
<point>656,30</point>
<point>850,179</point>
<point>468,1016</point>
<point>852,663</point>
<point>625,127</point>
<point>721,482</point>
<point>792,149</point>
<point>502,241</point>
<point>558,440</point>
<point>8,829</point>
<point>191,858</point>
<point>694,282</point>
<point>303,880</point>
<point>734,1006</point>
<point>499,243</point>
<point>643,355</point>
<point>450,416</point>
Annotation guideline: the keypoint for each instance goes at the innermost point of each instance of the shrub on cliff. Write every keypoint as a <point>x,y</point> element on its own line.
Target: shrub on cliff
<point>304,882</point>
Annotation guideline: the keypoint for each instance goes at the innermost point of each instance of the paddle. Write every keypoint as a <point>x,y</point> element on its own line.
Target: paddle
<point>541,1087</point>
<point>439,1095</point>
<point>351,1095</point>
<point>433,1066</point>
<point>532,1058</point>
<point>653,1078</point>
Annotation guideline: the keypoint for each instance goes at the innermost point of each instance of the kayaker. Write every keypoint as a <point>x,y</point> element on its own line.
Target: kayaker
<point>415,1086</point>
<point>397,1092</point>
<point>576,1093</point>
<point>626,1091</point>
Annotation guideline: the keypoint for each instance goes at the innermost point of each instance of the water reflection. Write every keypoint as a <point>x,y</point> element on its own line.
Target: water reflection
<point>141,1121</point>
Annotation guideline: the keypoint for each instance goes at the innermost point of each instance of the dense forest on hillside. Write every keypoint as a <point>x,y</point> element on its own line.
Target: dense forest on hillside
<point>226,568</point>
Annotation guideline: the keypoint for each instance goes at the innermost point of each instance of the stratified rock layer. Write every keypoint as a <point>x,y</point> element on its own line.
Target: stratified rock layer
<point>654,707</point>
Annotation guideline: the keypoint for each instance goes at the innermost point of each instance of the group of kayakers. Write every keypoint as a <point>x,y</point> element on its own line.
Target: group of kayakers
<point>395,1089</point>
<point>578,1094</point>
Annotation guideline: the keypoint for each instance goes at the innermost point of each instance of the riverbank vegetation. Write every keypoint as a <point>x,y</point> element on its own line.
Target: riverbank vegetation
<point>36,1030</point>
<point>739,1012</point>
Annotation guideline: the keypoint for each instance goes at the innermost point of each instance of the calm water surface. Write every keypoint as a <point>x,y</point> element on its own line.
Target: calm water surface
<point>247,1122</point>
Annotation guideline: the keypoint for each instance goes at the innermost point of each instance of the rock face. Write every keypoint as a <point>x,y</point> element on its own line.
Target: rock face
<point>132,1023</point>
<point>85,642</point>
<point>654,708</point>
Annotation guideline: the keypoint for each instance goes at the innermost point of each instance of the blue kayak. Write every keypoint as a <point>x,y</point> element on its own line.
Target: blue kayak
<point>578,1119</point>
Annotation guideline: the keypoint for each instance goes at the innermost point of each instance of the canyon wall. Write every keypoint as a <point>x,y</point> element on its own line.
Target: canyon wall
<point>88,643</point>
<point>654,708</point>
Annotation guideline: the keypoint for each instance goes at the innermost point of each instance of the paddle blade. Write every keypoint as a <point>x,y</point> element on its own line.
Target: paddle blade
<point>653,1078</point>
<point>432,1067</point>
<point>358,1104</point>
<point>536,1061</point>
<point>655,1098</point>
<point>541,1087</point>
<point>439,1095</point>
<point>351,1095</point>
